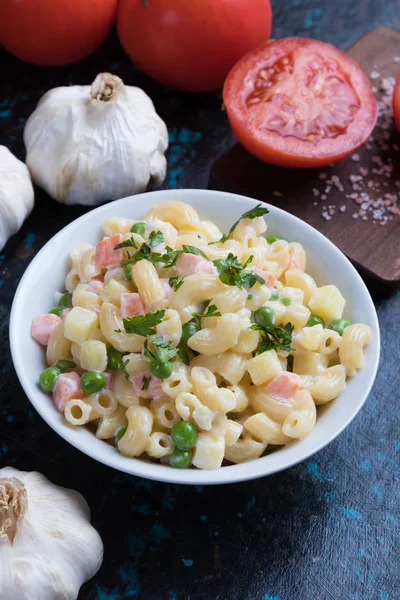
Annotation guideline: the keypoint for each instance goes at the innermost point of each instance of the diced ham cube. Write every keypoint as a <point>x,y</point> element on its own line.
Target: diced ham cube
<point>154,389</point>
<point>66,388</point>
<point>269,278</point>
<point>42,327</point>
<point>109,380</point>
<point>96,284</point>
<point>65,312</point>
<point>106,256</point>
<point>131,305</point>
<point>166,287</point>
<point>188,264</point>
<point>284,385</point>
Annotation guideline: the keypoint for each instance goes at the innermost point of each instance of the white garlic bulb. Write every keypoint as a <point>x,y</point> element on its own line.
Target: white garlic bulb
<point>16,194</point>
<point>48,548</point>
<point>89,144</point>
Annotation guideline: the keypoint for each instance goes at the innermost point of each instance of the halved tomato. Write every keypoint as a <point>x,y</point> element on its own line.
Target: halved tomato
<point>299,103</point>
<point>396,102</point>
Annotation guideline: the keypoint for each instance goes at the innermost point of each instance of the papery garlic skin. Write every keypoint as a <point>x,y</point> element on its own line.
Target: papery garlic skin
<point>16,194</point>
<point>90,144</point>
<point>55,549</point>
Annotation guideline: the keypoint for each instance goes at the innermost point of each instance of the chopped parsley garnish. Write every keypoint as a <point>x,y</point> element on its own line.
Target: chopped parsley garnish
<point>183,354</point>
<point>127,244</point>
<point>175,283</point>
<point>143,324</point>
<point>117,330</point>
<point>64,365</point>
<point>257,211</point>
<point>116,362</point>
<point>212,311</point>
<point>249,296</point>
<point>274,337</point>
<point>194,250</point>
<point>231,272</point>
<point>160,359</point>
<point>155,239</point>
<point>146,381</point>
<point>169,258</point>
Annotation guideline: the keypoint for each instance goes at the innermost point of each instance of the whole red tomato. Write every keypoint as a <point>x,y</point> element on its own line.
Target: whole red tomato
<point>55,32</point>
<point>191,44</point>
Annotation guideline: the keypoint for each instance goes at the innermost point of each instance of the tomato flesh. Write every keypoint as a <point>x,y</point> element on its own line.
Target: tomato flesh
<point>299,103</point>
<point>396,102</point>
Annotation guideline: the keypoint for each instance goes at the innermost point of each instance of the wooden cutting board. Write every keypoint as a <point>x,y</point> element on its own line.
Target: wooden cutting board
<point>321,196</point>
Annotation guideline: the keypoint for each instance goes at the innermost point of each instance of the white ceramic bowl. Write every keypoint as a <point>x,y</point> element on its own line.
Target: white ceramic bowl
<point>46,273</point>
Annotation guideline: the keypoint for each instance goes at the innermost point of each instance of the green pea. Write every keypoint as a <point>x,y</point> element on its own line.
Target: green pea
<point>128,272</point>
<point>114,358</point>
<point>315,320</point>
<point>184,435</point>
<point>188,330</point>
<point>120,433</point>
<point>65,301</point>
<point>272,238</point>
<point>57,310</point>
<point>180,459</point>
<point>48,378</point>
<point>139,228</point>
<point>92,382</point>
<point>274,295</point>
<point>161,370</point>
<point>286,301</point>
<point>264,316</point>
<point>339,325</point>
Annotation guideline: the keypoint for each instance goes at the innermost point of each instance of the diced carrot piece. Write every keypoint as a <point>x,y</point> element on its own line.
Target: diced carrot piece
<point>188,264</point>
<point>96,284</point>
<point>42,327</point>
<point>154,389</point>
<point>284,385</point>
<point>106,256</point>
<point>269,278</point>
<point>67,387</point>
<point>131,305</point>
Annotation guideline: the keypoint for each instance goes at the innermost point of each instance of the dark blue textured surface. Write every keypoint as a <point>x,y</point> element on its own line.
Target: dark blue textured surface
<point>327,529</point>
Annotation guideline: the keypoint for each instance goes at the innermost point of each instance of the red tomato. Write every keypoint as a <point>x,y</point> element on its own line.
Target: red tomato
<point>396,102</point>
<point>299,103</point>
<point>55,32</point>
<point>191,44</point>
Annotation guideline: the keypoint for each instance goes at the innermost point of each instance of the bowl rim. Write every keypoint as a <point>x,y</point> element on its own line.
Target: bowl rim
<point>155,471</point>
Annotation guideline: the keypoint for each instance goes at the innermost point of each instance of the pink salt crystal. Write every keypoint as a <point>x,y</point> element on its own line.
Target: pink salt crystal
<point>323,175</point>
<point>355,157</point>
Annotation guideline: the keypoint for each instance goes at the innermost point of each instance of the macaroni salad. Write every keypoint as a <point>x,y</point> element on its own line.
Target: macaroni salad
<point>182,344</point>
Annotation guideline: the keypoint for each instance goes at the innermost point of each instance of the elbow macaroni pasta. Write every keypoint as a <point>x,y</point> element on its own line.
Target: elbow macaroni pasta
<point>239,392</point>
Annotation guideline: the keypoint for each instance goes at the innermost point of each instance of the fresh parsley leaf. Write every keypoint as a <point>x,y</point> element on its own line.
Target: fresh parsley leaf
<point>183,354</point>
<point>274,337</point>
<point>117,330</point>
<point>175,283</point>
<point>155,239</point>
<point>257,211</point>
<point>143,324</point>
<point>64,365</point>
<point>194,250</point>
<point>146,381</point>
<point>127,244</point>
<point>143,253</point>
<point>231,272</point>
<point>160,359</point>
<point>212,311</point>
<point>249,296</point>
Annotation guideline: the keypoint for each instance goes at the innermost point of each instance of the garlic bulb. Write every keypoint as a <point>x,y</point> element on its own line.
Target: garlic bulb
<point>89,144</point>
<point>16,194</point>
<point>48,547</point>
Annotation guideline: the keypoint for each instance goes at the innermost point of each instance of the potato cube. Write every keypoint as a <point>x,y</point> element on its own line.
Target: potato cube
<point>79,324</point>
<point>327,302</point>
<point>263,367</point>
<point>94,356</point>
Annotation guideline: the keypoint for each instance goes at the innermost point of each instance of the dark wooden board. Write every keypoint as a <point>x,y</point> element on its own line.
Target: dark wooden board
<point>372,247</point>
